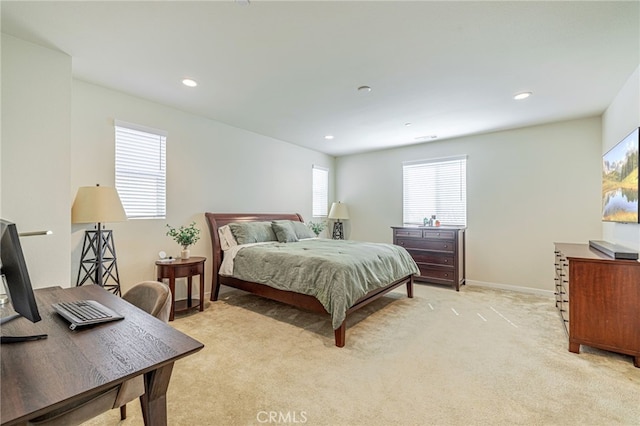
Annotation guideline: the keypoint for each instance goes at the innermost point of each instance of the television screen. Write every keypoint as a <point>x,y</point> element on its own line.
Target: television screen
<point>620,181</point>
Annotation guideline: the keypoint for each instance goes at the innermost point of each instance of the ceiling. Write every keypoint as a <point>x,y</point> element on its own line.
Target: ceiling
<point>290,70</point>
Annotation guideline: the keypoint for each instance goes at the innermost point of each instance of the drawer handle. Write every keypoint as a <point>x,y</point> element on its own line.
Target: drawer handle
<point>446,246</point>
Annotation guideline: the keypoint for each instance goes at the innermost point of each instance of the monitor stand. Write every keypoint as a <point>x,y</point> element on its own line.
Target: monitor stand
<point>17,339</point>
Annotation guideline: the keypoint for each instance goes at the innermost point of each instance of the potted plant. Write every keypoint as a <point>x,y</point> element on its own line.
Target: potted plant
<point>317,227</point>
<point>185,236</point>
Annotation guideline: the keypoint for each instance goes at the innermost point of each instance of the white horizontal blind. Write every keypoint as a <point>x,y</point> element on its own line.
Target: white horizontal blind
<point>435,187</point>
<point>141,170</point>
<point>320,192</point>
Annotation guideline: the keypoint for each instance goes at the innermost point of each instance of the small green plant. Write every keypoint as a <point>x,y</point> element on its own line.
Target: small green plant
<point>317,227</point>
<point>185,236</point>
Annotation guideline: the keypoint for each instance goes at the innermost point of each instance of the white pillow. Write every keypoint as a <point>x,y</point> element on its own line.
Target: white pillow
<point>227,240</point>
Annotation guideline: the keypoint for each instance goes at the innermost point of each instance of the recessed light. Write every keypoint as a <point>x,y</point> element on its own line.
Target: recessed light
<point>329,137</point>
<point>190,83</point>
<point>243,2</point>
<point>364,89</point>
<point>522,95</point>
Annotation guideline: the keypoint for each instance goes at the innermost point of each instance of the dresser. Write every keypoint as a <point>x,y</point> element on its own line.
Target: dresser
<point>598,299</point>
<point>438,251</point>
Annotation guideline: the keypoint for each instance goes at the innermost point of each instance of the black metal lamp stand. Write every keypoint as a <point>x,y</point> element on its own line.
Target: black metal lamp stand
<point>338,232</point>
<point>98,261</point>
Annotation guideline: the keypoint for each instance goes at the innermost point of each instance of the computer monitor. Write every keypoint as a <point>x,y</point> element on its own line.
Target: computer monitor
<point>14,272</point>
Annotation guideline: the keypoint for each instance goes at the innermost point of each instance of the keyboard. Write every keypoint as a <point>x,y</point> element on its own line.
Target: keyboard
<point>85,312</point>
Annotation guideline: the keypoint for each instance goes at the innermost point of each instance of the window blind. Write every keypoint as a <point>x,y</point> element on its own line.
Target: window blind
<point>141,170</point>
<point>320,192</point>
<point>435,187</point>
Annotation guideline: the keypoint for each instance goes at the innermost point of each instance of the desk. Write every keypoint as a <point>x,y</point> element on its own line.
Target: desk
<point>183,268</point>
<point>41,376</point>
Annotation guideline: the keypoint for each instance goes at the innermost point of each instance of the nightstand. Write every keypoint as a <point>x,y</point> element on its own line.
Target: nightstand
<point>183,268</point>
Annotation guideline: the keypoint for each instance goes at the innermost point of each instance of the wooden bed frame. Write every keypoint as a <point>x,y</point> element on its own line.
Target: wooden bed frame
<point>303,301</point>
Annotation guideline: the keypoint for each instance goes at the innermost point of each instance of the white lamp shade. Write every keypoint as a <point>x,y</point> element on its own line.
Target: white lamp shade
<point>97,204</point>
<point>339,211</point>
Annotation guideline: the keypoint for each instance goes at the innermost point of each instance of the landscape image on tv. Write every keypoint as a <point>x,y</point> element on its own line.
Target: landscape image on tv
<point>620,181</point>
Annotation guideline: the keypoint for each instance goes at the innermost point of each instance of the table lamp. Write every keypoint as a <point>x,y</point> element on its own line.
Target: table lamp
<point>98,204</point>
<point>338,212</point>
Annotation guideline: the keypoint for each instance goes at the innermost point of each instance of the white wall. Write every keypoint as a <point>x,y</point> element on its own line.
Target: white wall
<point>58,135</point>
<point>210,167</point>
<point>526,189</point>
<point>36,106</point>
<point>622,116</point>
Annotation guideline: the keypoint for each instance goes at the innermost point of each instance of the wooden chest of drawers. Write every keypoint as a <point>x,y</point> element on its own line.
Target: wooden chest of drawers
<point>598,299</point>
<point>438,251</point>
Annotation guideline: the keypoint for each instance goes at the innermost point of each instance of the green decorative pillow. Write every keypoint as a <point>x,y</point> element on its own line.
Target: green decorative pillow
<point>301,230</point>
<point>284,231</point>
<point>252,232</point>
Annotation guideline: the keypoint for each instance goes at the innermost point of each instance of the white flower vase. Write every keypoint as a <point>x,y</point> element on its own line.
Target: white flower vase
<point>185,253</point>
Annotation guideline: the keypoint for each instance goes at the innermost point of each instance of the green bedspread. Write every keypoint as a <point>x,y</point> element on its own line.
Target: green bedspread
<point>336,272</point>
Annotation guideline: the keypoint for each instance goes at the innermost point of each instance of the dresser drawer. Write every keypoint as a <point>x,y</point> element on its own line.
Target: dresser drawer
<point>411,233</point>
<point>434,258</point>
<point>438,234</point>
<point>440,245</point>
<point>430,273</point>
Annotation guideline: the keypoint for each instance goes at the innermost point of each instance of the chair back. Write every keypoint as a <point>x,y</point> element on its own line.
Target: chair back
<point>152,297</point>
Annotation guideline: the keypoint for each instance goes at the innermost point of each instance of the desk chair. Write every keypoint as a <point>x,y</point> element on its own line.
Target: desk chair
<point>152,297</point>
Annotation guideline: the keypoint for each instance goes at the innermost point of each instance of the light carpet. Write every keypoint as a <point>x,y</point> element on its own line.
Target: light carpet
<point>476,357</point>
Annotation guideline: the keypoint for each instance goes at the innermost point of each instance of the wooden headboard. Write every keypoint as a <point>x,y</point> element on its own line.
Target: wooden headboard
<point>217,220</point>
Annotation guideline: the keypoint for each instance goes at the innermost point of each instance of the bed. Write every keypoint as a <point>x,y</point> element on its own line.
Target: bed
<point>399,267</point>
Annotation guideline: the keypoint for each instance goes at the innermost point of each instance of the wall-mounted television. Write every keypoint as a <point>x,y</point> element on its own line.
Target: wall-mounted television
<point>620,181</point>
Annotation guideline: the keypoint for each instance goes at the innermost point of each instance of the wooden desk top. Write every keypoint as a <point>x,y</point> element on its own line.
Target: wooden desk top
<point>40,376</point>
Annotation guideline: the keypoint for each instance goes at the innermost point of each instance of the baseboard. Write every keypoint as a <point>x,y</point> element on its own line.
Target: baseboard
<point>530,290</point>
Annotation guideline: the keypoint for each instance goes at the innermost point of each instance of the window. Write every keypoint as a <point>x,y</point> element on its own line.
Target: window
<point>435,187</point>
<point>141,170</point>
<point>320,191</point>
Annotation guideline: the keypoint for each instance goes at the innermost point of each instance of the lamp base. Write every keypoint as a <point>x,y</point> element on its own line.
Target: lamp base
<point>338,232</point>
<point>98,261</point>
